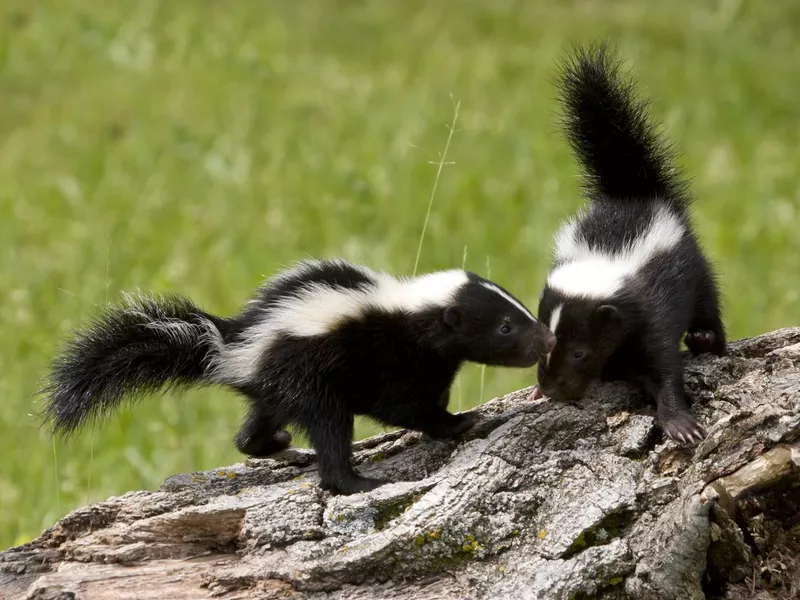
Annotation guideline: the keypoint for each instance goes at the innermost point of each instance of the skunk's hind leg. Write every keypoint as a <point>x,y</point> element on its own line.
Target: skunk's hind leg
<point>261,434</point>
<point>706,331</point>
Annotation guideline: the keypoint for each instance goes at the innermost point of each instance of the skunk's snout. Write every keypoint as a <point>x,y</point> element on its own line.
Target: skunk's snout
<point>545,343</point>
<point>549,341</point>
<point>557,384</point>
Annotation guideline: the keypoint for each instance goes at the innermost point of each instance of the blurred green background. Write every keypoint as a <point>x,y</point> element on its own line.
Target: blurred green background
<point>197,146</point>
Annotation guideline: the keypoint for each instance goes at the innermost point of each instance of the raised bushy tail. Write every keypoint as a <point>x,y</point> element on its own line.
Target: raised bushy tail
<point>144,345</point>
<point>608,126</point>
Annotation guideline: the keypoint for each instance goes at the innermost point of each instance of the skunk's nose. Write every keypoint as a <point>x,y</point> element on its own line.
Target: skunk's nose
<point>549,342</point>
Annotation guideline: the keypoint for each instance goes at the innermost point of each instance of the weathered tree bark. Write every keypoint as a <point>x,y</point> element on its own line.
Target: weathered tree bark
<point>540,500</point>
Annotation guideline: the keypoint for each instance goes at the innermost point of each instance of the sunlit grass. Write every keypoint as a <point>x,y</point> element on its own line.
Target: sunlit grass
<point>195,147</point>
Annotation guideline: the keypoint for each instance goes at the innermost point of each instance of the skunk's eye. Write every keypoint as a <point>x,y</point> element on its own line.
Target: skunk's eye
<point>579,354</point>
<point>505,329</point>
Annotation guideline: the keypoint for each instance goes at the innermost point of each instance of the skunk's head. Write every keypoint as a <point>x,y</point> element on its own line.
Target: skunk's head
<point>487,325</point>
<point>588,332</point>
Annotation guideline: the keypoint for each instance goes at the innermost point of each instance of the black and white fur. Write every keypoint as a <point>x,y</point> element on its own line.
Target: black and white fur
<point>629,276</point>
<point>318,344</point>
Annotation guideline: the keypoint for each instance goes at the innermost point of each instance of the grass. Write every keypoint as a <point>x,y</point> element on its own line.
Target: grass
<point>197,146</point>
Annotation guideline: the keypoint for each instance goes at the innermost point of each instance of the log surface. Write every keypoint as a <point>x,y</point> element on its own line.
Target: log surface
<point>541,500</point>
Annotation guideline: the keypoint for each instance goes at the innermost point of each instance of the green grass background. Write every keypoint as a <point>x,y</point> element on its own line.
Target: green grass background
<point>197,146</point>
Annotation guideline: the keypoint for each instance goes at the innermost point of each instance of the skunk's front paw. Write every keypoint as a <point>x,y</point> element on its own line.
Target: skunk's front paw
<point>682,427</point>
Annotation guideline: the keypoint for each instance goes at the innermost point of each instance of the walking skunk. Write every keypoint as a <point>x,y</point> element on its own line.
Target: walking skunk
<point>628,275</point>
<point>318,344</point>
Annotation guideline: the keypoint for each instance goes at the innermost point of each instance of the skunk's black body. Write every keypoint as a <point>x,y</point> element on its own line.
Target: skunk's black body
<point>629,277</point>
<point>319,344</point>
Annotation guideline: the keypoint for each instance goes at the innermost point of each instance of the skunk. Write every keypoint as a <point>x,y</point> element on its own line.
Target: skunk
<point>319,343</point>
<point>628,276</point>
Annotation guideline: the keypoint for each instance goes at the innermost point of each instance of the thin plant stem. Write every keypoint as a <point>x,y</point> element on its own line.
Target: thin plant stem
<point>441,163</point>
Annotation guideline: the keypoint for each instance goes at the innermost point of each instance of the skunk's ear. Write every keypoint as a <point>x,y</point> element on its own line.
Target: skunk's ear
<point>607,314</point>
<point>452,316</point>
<point>607,323</point>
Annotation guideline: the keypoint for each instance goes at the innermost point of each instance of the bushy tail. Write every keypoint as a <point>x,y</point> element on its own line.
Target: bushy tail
<point>144,345</point>
<point>608,126</point>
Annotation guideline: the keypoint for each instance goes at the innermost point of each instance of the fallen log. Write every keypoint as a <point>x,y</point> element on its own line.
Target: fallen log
<point>541,500</point>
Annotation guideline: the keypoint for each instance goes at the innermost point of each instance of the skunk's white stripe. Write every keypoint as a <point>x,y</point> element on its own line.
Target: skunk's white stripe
<point>555,316</point>
<point>589,272</point>
<point>592,278</point>
<point>433,289</point>
<point>516,303</point>
<point>318,309</point>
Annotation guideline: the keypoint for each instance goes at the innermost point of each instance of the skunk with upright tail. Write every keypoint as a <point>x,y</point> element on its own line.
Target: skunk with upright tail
<point>628,277</point>
<point>318,344</point>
